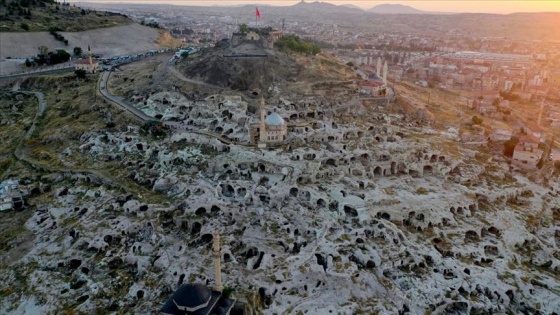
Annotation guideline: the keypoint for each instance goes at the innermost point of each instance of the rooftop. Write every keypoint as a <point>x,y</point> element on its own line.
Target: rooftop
<point>529,139</point>
<point>85,62</point>
<point>193,294</point>
<point>274,120</point>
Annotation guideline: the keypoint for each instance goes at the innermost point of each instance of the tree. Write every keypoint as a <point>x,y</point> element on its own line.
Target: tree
<point>24,26</point>
<point>294,43</point>
<point>477,120</point>
<point>185,54</point>
<point>80,73</point>
<point>28,63</point>
<point>155,129</point>
<point>243,28</point>
<point>78,51</point>
<point>43,50</point>
<point>62,55</point>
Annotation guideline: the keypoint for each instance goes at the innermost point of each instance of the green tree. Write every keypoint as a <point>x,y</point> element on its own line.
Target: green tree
<point>24,26</point>
<point>43,50</point>
<point>185,54</point>
<point>80,73</point>
<point>227,292</point>
<point>78,51</point>
<point>63,55</point>
<point>28,63</point>
<point>243,28</point>
<point>294,43</point>
<point>155,129</point>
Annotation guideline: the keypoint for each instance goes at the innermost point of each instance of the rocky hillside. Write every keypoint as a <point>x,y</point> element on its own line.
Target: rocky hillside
<point>219,66</point>
<point>363,210</point>
<point>46,15</point>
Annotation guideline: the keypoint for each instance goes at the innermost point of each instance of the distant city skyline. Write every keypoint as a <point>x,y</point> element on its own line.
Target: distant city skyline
<point>467,6</point>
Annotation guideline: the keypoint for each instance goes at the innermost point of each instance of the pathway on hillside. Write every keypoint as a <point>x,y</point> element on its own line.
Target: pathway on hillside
<point>21,155</point>
<point>182,77</point>
<point>119,101</point>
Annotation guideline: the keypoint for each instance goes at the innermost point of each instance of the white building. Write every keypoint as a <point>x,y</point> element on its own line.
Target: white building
<point>88,65</point>
<point>9,192</point>
<point>272,129</point>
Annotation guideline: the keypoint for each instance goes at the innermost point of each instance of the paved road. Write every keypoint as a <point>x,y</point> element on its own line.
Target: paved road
<point>39,72</point>
<point>119,101</point>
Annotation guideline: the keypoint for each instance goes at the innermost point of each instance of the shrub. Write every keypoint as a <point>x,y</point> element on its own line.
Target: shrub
<point>155,129</point>
<point>80,73</point>
<point>24,26</point>
<point>477,120</point>
<point>294,43</point>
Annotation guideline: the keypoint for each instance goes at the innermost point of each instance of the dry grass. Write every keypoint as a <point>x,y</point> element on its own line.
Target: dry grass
<point>166,40</point>
<point>18,116</point>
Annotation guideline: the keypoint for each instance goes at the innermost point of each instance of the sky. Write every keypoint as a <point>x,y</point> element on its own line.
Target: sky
<point>476,6</point>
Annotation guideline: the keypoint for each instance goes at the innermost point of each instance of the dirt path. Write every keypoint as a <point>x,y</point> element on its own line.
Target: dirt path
<point>20,155</point>
<point>180,76</point>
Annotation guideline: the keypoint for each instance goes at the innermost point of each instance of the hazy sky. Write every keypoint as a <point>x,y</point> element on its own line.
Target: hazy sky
<point>504,6</point>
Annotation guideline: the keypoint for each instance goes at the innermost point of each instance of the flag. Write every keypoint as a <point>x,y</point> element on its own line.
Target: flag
<point>257,12</point>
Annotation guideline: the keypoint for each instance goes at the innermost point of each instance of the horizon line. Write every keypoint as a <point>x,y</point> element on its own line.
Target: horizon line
<point>205,3</point>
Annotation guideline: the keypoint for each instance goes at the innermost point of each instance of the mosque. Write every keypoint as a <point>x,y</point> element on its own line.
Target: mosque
<point>270,131</point>
<point>201,299</point>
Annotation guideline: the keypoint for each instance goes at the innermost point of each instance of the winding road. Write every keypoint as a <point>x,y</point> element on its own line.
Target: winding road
<point>120,102</point>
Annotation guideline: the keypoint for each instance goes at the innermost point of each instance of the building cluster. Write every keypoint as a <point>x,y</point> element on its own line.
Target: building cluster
<point>493,75</point>
<point>11,196</point>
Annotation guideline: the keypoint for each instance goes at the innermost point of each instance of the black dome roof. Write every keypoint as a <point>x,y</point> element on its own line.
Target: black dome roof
<point>192,295</point>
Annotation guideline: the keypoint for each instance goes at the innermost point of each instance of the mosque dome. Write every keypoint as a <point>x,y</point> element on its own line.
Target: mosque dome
<point>192,297</point>
<point>274,120</point>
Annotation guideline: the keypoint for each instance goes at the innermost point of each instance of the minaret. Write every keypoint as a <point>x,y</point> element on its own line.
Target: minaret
<point>541,112</point>
<point>89,55</point>
<point>262,125</point>
<point>385,69</point>
<point>217,257</point>
<point>378,67</point>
